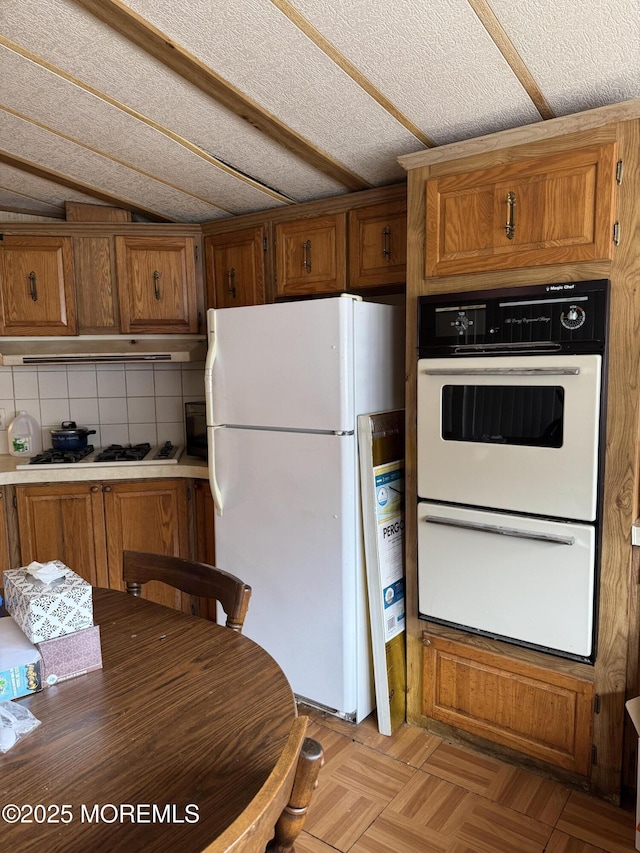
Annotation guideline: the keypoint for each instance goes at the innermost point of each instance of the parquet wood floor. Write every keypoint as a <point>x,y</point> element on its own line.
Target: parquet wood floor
<point>416,793</point>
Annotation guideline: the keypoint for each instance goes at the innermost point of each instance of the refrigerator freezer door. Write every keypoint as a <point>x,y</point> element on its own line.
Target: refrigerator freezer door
<point>287,365</point>
<point>290,528</point>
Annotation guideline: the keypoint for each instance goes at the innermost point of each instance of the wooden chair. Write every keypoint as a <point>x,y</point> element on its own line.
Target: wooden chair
<point>275,817</point>
<point>199,579</point>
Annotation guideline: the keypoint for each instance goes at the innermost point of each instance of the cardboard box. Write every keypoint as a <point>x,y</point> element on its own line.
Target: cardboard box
<point>20,665</point>
<point>47,610</point>
<point>633,707</point>
<point>70,656</point>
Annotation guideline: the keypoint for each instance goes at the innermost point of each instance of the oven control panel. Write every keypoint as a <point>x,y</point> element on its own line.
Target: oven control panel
<point>568,317</point>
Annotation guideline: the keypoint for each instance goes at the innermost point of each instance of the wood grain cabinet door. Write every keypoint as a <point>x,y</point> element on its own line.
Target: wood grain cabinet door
<point>64,522</point>
<point>36,279</point>
<point>146,515</point>
<point>95,272</point>
<point>548,210</point>
<point>235,268</point>
<point>311,255</point>
<point>157,284</point>
<point>378,244</point>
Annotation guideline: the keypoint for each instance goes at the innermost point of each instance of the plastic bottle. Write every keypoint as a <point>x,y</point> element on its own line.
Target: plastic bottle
<point>24,435</point>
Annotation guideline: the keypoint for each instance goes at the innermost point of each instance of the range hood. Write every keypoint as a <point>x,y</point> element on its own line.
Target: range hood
<point>101,349</point>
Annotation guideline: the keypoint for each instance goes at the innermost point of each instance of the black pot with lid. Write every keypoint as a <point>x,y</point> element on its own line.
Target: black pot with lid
<point>70,436</point>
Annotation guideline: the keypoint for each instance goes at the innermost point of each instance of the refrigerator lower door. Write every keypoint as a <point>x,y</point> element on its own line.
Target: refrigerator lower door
<point>291,529</point>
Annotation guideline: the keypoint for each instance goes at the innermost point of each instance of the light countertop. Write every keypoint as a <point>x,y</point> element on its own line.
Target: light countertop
<point>187,466</point>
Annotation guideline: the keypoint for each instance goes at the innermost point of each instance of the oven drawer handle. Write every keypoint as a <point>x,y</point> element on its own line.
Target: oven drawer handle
<point>502,531</point>
<point>502,371</point>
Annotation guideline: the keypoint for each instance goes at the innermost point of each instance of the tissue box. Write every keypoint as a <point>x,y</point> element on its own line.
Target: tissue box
<point>48,610</point>
<point>20,666</point>
<point>71,655</point>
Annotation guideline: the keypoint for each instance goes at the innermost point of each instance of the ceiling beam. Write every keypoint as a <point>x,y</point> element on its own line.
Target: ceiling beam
<point>504,44</point>
<point>140,32</point>
<point>78,186</point>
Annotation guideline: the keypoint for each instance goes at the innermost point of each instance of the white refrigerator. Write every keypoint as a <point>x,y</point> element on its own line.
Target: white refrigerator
<point>285,384</point>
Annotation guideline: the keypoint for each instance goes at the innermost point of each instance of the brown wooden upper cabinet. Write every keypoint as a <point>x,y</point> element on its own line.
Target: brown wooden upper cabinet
<point>311,255</point>
<point>545,210</point>
<point>235,268</point>
<point>36,277</point>
<point>157,284</point>
<point>378,244</point>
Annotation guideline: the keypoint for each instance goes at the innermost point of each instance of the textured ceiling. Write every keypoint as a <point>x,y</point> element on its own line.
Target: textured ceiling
<point>195,111</point>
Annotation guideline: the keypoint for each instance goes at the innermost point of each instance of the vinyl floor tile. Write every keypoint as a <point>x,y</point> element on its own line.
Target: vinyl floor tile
<point>415,793</point>
<point>525,792</point>
<point>598,823</point>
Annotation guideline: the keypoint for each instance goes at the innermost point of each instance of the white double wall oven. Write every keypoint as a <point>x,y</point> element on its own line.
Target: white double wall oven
<point>510,440</point>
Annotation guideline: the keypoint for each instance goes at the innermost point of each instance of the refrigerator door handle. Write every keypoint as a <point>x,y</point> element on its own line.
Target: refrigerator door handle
<point>212,352</point>
<point>215,489</point>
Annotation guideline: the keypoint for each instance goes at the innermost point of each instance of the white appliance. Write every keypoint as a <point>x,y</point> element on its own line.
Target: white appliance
<point>284,386</point>
<point>510,437</point>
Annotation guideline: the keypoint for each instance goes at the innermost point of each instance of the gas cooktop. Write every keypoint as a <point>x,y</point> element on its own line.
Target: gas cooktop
<point>114,454</point>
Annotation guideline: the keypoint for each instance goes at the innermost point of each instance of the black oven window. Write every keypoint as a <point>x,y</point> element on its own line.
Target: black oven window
<point>527,415</point>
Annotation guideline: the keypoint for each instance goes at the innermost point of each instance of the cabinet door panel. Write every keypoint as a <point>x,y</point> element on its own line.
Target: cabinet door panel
<point>64,522</point>
<point>156,281</point>
<point>378,244</point>
<point>95,271</point>
<point>560,207</point>
<point>148,515</point>
<point>38,296</point>
<point>311,255</point>
<point>235,268</point>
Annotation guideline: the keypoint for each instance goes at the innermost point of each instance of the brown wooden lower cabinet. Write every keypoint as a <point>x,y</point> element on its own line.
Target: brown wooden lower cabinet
<point>511,702</point>
<point>5,562</point>
<point>205,520</point>
<point>88,525</point>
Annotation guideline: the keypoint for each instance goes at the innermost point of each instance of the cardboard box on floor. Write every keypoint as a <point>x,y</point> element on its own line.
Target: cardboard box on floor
<point>633,707</point>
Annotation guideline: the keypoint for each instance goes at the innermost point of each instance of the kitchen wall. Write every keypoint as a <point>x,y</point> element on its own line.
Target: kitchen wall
<point>125,404</point>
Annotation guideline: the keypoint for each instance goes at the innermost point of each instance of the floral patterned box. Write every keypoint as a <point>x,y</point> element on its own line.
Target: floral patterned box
<point>70,656</point>
<point>47,610</point>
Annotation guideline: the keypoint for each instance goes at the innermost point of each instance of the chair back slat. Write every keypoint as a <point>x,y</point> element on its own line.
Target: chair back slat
<point>191,577</point>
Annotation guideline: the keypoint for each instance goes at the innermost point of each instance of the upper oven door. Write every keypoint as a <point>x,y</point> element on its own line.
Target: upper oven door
<point>518,433</point>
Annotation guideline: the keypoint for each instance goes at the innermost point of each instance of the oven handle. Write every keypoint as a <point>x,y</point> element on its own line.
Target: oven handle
<point>502,531</point>
<point>502,371</point>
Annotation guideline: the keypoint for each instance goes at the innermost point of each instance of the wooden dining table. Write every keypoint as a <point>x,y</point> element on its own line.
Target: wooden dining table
<point>160,750</point>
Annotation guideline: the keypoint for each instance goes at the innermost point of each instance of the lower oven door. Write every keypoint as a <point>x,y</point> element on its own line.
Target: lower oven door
<point>518,433</point>
<point>522,579</point>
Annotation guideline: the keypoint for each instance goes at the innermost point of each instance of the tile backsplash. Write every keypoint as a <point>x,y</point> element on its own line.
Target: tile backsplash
<point>124,403</point>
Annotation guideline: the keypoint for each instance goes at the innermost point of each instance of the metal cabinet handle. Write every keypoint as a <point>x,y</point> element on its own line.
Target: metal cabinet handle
<point>306,256</point>
<point>510,227</point>
<point>502,531</point>
<point>156,284</point>
<point>502,371</point>
<point>386,243</point>
<point>33,287</point>
<point>106,489</point>
<point>231,287</point>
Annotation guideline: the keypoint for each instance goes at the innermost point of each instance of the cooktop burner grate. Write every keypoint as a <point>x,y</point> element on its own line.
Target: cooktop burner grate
<point>123,453</point>
<point>55,457</point>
